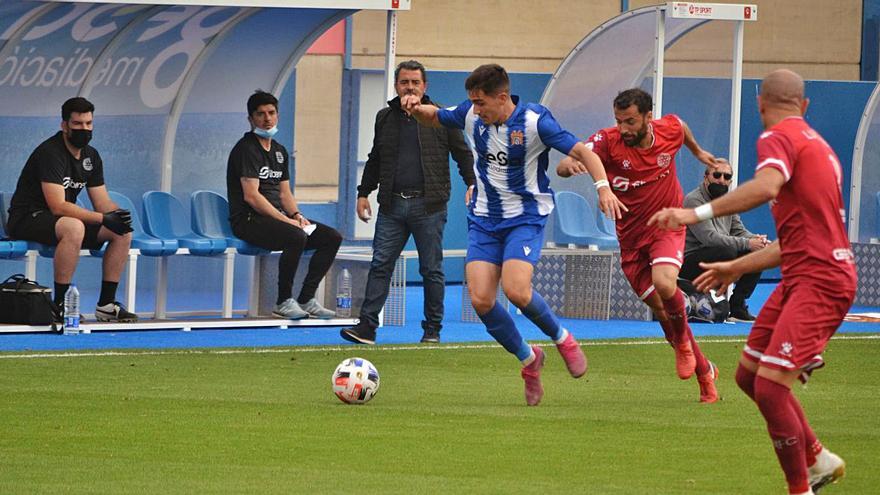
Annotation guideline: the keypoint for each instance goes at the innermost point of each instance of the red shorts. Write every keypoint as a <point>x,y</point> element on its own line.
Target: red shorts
<point>666,247</point>
<point>795,324</point>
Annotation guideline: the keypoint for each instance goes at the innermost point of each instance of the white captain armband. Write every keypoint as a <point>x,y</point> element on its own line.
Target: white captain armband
<point>704,212</point>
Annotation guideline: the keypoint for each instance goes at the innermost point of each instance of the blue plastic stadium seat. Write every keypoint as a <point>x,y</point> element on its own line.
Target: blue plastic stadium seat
<point>165,218</point>
<point>44,250</point>
<point>576,223</point>
<point>140,240</point>
<point>210,218</point>
<point>606,225</point>
<point>9,249</point>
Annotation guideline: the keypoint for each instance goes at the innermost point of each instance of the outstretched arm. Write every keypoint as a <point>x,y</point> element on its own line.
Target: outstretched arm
<point>719,276</point>
<point>764,187</point>
<point>581,160</point>
<point>425,114</point>
<point>690,141</point>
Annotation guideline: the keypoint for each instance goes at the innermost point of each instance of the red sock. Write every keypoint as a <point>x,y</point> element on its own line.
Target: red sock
<point>812,446</point>
<point>746,381</point>
<point>668,331</point>
<point>702,362</point>
<point>680,329</point>
<point>785,431</point>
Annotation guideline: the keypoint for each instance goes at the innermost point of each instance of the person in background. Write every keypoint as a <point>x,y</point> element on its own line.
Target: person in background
<point>720,239</point>
<point>43,208</point>
<point>263,211</point>
<point>410,165</point>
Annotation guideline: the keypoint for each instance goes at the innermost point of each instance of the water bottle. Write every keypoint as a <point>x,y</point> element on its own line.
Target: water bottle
<point>71,310</point>
<point>343,294</point>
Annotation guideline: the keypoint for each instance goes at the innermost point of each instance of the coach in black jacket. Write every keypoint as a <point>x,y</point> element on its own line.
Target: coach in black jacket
<point>410,165</point>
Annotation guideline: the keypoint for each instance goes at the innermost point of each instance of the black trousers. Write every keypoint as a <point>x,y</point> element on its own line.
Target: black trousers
<point>744,287</point>
<point>276,235</point>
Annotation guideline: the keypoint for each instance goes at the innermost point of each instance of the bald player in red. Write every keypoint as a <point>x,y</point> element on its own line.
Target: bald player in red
<point>639,159</point>
<point>801,177</point>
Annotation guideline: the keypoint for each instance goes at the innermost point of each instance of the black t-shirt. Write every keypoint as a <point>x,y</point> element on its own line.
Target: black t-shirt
<point>52,162</point>
<point>249,159</point>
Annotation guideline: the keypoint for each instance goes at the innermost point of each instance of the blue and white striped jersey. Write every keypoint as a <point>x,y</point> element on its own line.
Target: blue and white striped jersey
<point>510,161</point>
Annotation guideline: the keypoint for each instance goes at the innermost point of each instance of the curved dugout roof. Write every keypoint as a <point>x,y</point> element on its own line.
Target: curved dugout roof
<point>148,67</point>
<point>864,207</point>
<point>619,54</point>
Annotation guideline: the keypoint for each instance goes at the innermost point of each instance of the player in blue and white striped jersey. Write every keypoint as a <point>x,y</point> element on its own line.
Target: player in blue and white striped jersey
<point>511,142</point>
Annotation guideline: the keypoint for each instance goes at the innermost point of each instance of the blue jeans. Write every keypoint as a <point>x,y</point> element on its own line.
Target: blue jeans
<point>394,225</point>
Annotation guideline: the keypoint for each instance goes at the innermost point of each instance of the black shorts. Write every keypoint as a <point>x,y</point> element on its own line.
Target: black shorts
<point>39,226</point>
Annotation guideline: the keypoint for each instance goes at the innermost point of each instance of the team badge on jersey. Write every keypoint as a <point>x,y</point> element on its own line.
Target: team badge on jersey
<point>786,348</point>
<point>279,156</point>
<point>87,164</point>
<point>626,164</point>
<point>516,138</point>
<point>663,160</point>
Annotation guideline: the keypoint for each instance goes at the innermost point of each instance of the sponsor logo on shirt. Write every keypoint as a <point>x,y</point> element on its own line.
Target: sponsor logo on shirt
<point>516,138</point>
<point>843,254</point>
<point>527,250</point>
<point>68,183</point>
<point>267,173</point>
<point>499,158</point>
<point>87,164</point>
<point>279,156</point>
<point>663,160</point>
<point>620,183</point>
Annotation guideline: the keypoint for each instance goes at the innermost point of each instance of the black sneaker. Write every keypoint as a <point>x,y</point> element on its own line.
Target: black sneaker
<point>741,313</point>
<point>114,312</point>
<point>431,336</point>
<point>359,334</point>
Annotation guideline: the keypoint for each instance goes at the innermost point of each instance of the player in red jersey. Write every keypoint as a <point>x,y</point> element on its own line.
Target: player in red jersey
<point>639,158</point>
<point>801,177</point>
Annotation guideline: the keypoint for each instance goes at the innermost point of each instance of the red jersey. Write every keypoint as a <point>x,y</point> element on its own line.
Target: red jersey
<point>643,179</point>
<point>808,211</point>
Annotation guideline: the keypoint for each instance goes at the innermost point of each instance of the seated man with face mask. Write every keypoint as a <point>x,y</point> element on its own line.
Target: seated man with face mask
<point>720,239</point>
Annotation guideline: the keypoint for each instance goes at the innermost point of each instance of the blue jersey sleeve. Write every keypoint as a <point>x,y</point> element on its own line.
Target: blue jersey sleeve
<point>553,135</point>
<point>454,116</point>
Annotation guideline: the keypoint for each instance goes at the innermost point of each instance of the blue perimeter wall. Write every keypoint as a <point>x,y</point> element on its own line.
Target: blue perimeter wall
<point>835,111</point>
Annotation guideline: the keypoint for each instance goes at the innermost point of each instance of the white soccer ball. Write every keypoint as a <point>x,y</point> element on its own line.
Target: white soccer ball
<point>355,381</point>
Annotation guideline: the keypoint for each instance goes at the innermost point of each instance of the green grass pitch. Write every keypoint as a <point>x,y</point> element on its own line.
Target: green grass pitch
<point>447,419</point>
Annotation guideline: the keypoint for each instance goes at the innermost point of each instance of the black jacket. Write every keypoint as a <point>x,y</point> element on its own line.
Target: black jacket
<point>435,144</point>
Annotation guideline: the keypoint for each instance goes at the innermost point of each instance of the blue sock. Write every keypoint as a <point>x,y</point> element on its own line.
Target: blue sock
<point>500,326</point>
<point>542,316</point>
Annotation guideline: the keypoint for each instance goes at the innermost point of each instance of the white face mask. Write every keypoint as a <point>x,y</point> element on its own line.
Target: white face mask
<point>266,133</point>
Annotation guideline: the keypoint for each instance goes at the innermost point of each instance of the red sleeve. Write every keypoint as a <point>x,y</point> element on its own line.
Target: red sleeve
<point>598,144</point>
<point>776,151</point>
<point>675,131</point>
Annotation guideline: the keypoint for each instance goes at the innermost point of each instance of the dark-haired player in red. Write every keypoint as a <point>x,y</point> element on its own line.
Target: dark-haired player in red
<point>801,177</point>
<point>639,158</point>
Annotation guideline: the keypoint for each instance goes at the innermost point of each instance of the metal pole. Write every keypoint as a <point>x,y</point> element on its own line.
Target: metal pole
<point>659,48</point>
<point>390,53</point>
<point>348,31</point>
<point>736,99</point>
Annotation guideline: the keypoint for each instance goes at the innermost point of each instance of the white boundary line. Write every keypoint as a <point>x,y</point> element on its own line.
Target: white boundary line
<point>383,348</point>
